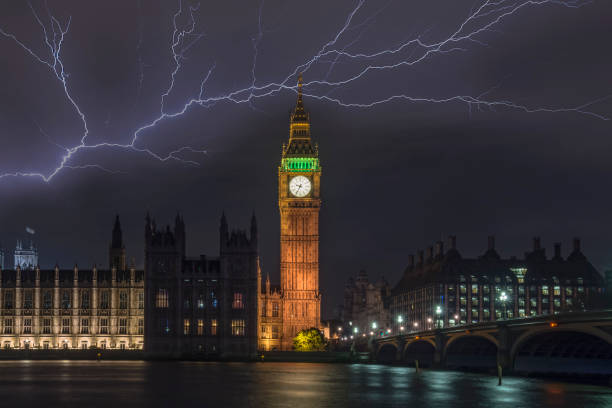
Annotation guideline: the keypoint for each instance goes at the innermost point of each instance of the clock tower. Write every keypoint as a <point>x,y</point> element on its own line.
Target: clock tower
<point>299,201</point>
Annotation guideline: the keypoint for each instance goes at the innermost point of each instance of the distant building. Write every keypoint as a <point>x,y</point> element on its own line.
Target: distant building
<point>366,304</point>
<point>443,288</point>
<point>26,254</point>
<point>201,305</point>
<point>71,309</point>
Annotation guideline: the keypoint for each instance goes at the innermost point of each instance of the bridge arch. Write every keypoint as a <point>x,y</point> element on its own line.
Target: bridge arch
<point>422,350</point>
<point>567,350</point>
<point>471,350</point>
<point>387,353</point>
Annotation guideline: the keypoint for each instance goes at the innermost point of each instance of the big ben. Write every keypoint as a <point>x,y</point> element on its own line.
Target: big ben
<point>299,201</point>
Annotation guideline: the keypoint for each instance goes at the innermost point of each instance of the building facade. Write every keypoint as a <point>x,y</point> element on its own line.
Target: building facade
<point>441,289</point>
<point>299,201</point>
<point>25,255</point>
<point>366,304</point>
<point>201,305</point>
<point>72,309</point>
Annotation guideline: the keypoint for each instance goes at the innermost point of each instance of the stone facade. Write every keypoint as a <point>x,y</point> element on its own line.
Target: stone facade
<point>72,309</point>
<point>366,304</point>
<point>206,306</point>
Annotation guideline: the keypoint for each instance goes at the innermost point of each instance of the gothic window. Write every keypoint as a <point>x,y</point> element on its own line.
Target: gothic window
<point>213,299</point>
<point>123,300</point>
<point>8,326</point>
<point>164,326</point>
<point>141,300</point>
<point>122,326</point>
<point>103,326</point>
<point>65,299</point>
<point>8,300</point>
<point>27,326</point>
<point>27,299</point>
<point>200,327</point>
<point>140,326</point>
<point>201,301</point>
<point>104,299</point>
<point>161,299</point>
<point>65,326</point>
<point>238,327</point>
<point>275,309</point>
<point>84,326</point>
<point>186,327</point>
<point>213,327</point>
<point>47,300</point>
<point>238,302</point>
<point>46,326</point>
<point>85,300</point>
<point>187,299</point>
<point>275,332</point>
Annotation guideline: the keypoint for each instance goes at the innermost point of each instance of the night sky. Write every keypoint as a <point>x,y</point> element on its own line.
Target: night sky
<point>397,175</point>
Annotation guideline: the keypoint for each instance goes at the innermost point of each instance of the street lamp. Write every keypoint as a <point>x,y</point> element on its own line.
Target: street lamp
<point>503,297</point>
<point>438,313</point>
<point>356,330</point>
<point>373,325</point>
<point>400,319</point>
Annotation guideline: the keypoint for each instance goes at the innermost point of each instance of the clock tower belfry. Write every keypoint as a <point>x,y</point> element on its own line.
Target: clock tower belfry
<point>299,201</point>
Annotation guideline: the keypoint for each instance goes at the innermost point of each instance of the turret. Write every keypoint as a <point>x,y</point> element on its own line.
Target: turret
<point>116,252</point>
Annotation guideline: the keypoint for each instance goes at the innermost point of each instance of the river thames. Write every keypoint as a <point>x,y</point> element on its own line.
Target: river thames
<point>192,384</point>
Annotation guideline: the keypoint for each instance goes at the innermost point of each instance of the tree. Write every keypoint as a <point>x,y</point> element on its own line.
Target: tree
<point>309,340</point>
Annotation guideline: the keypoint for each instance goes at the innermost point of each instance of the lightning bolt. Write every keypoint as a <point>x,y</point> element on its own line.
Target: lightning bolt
<point>482,19</point>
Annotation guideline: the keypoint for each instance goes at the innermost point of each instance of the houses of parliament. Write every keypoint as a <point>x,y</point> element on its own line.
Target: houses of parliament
<point>181,305</point>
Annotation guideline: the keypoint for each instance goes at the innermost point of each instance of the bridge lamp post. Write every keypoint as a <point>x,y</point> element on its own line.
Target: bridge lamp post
<point>456,320</point>
<point>438,315</point>
<point>504,297</point>
<point>373,325</point>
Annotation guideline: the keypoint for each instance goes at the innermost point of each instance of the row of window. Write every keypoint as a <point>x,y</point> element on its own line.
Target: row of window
<point>65,328</point>
<point>275,310</point>
<point>198,328</point>
<point>162,300</point>
<point>66,300</point>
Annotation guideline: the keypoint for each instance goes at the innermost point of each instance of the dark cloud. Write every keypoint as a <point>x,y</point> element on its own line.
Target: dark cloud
<point>396,177</point>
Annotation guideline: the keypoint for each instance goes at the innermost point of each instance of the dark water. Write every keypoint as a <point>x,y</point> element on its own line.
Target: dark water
<point>164,384</point>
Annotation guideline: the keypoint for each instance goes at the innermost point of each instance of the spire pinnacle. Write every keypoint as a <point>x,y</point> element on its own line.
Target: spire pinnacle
<point>299,113</point>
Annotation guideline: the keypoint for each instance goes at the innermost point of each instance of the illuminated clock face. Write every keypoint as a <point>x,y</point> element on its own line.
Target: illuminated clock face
<point>299,186</point>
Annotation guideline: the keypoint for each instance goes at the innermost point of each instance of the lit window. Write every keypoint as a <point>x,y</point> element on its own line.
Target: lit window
<point>65,326</point>
<point>140,326</point>
<point>275,309</point>
<point>238,302</point>
<point>200,327</point>
<point>103,326</point>
<point>27,326</point>
<point>545,290</point>
<point>140,300</point>
<point>8,326</point>
<point>238,327</point>
<point>161,300</point>
<point>46,326</point>
<point>201,301</point>
<point>66,300</point>
<point>123,300</point>
<point>213,327</point>
<point>84,326</point>
<point>122,326</point>
<point>275,332</point>
<point>186,327</point>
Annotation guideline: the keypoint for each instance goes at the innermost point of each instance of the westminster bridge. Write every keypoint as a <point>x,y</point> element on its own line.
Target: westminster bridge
<point>570,343</point>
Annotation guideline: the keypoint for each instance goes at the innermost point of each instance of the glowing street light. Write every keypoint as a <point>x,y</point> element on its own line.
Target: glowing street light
<point>438,313</point>
<point>339,328</point>
<point>356,330</point>
<point>401,328</point>
<point>373,325</point>
<point>400,319</point>
<point>503,297</point>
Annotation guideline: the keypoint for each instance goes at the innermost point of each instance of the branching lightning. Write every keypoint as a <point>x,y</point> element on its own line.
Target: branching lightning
<point>482,19</point>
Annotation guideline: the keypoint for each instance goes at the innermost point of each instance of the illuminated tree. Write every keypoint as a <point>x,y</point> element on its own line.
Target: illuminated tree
<point>309,340</point>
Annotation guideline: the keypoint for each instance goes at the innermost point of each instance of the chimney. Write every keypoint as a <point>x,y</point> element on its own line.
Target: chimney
<point>491,243</point>
<point>420,257</point>
<point>576,244</point>
<point>452,242</point>
<point>439,249</point>
<point>536,244</point>
<point>410,261</point>
<point>558,250</point>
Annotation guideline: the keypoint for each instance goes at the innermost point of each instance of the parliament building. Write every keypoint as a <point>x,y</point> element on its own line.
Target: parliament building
<point>72,308</point>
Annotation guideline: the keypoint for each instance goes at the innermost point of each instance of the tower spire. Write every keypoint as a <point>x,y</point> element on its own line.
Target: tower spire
<point>299,114</point>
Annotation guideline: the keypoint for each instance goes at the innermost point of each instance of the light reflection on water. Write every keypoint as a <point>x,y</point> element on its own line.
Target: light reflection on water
<point>161,384</point>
